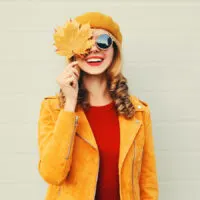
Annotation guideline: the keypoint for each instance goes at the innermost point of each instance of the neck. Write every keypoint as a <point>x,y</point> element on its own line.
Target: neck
<point>97,88</point>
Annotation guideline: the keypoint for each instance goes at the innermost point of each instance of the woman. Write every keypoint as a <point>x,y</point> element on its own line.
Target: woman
<point>95,139</point>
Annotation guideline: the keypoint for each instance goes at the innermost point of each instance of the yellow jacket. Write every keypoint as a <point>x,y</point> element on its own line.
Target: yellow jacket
<point>69,157</point>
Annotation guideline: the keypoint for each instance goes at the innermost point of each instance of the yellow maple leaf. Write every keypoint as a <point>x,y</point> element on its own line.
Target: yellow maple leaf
<point>73,39</point>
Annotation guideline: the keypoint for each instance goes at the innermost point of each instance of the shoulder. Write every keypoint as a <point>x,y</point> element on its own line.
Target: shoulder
<point>51,102</point>
<point>140,104</point>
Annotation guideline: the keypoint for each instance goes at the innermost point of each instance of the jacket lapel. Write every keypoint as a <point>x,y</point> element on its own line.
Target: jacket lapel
<point>84,129</point>
<point>128,130</point>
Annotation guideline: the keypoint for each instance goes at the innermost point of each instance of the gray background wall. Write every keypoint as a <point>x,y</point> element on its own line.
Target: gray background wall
<point>161,62</point>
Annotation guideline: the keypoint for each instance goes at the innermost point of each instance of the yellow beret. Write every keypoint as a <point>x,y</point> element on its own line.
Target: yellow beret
<point>100,20</point>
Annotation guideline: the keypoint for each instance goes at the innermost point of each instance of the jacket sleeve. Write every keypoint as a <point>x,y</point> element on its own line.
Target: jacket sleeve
<point>149,189</point>
<point>55,141</point>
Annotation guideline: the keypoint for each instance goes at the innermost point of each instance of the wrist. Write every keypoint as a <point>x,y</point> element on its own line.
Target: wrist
<point>70,105</point>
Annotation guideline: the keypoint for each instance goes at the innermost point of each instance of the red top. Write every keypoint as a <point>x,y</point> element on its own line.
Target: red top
<point>105,126</point>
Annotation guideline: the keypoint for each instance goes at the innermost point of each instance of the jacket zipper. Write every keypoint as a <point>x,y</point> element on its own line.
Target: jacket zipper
<point>75,124</point>
<point>133,168</point>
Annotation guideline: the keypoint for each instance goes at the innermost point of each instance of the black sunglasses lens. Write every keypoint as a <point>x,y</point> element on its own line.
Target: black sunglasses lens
<point>104,41</point>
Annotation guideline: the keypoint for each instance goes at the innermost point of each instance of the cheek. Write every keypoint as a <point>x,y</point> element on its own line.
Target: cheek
<point>109,55</point>
<point>80,62</point>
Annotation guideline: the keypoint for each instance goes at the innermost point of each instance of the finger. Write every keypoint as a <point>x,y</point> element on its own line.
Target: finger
<point>76,72</point>
<point>70,66</point>
<point>73,63</point>
<point>69,75</point>
<point>73,78</point>
<point>69,81</point>
<point>73,82</point>
<point>70,72</point>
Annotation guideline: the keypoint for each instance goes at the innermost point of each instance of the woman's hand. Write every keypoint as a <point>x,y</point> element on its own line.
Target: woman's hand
<point>68,82</point>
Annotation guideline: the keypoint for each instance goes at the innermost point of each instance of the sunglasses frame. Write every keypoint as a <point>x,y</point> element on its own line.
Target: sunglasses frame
<point>104,49</point>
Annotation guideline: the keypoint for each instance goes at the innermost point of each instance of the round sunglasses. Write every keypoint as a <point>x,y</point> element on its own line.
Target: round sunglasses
<point>104,41</point>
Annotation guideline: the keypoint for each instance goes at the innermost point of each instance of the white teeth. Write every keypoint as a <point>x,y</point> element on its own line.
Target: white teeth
<point>94,60</point>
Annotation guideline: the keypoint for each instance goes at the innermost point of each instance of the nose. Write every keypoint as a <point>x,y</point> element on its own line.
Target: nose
<point>94,48</point>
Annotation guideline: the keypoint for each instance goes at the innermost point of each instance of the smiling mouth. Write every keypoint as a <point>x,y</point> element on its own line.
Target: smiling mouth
<point>94,61</point>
